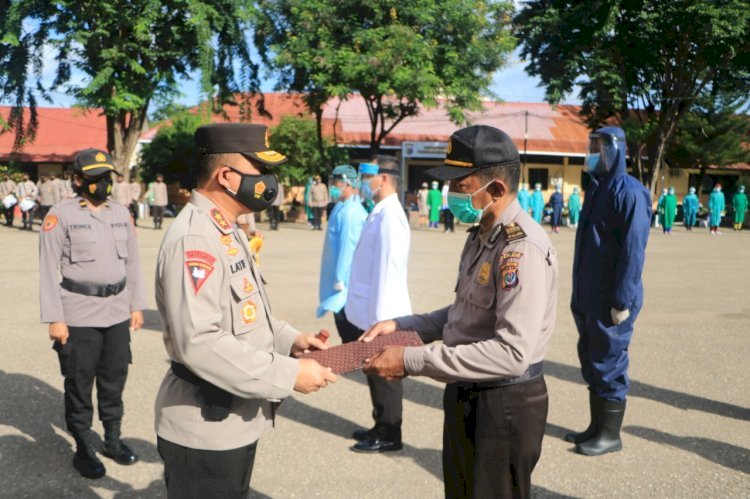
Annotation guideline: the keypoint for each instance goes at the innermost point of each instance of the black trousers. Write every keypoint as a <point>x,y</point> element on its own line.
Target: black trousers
<point>387,396</point>
<point>195,473</point>
<point>43,210</point>
<point>492,439</point>
<point>448,220</point>
<point>274,216</point>
<point>317,216</point>
<point>94,353</point>
<point>9,214</point>
<point>27,217</point>
<point>158,214</point>
<point>133,207</point>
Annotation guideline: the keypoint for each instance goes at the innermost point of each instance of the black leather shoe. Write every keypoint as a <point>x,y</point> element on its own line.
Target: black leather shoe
<point>120,452</point>
<point>362,434</point>
<point>113,447</point>
<point>376,444</point>
<point>87,464</point>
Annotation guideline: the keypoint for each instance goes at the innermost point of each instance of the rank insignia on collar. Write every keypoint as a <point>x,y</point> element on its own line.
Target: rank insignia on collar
<point>509,277</point>
<point>220,220</point>
<point>513,233</point>
<point>495,233</point>
<point>232,251</point>
<point>226,240</point>
<point>483,278</point>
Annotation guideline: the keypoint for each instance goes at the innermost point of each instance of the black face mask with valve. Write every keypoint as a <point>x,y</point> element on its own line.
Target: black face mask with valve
<point>256,192</point>
<point>97,188</point>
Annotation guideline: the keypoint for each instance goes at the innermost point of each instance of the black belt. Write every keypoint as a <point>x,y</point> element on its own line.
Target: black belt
<point>100,290</point>
<point>533,372</point>
<point>216,401</point>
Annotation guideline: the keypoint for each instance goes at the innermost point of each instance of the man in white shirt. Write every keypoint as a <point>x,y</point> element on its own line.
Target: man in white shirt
<point>378,290</point>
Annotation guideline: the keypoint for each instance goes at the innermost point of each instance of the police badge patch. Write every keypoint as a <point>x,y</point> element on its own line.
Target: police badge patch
<point>200,265</point>
<point>484,274</point>
<point>509,277</point>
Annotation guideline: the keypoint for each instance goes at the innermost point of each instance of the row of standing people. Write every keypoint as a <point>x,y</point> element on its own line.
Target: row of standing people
<point>533,203</point>
<point>667,209</point>
<point>37,199</point>
<point>432,203</point>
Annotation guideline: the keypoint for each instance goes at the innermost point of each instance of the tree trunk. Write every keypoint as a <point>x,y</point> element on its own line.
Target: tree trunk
<point>123,132</point>
<point>318,112</point>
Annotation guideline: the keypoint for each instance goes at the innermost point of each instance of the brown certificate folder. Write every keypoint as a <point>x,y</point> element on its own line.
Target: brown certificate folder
<point>351,356</point>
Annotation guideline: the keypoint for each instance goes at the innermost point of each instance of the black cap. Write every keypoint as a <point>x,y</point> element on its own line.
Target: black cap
<point>475,147</point>
<point>93,162</point>
<point>249,140</point>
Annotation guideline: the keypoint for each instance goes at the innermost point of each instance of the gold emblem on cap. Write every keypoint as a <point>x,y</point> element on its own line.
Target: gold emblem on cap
<point>268,144</point>
<point>260,187</point>
<point>270,156</point>
<point>100,157</point>
<point>450,146</point>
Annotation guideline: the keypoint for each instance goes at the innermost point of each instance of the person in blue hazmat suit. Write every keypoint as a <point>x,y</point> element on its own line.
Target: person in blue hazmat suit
<point>610,251</point>
<point>342,235</point>
<point>690,206</point>
<point>716,209</point>
<point>556,202</point>
<point>574,207</point>
<point>537,204</point>
<point>524,198</point>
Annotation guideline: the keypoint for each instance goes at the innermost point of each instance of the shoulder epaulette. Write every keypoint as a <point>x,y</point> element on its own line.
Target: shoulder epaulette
<point>513,232</point>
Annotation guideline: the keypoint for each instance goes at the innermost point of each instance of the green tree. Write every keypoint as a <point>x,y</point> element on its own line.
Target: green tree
<point>132,53</point>
<point>397,55</point>
<point>297,138</point>
<point>172,151</point>
<point>639,63</point>
<point>714,132</point>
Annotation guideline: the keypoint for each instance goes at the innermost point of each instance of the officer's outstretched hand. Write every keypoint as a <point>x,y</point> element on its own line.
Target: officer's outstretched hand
<point>136,320</point>
<point>388,364</point>
<point>311,376</point>
<point>382,327</point>
<point>304,343</point>
<point>58,331</point>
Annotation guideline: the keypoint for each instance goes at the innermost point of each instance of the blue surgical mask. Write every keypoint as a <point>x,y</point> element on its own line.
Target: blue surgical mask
<point>335,193</point>
<point>592,161</point>
<point>462,207</point>
<point>366,190</point>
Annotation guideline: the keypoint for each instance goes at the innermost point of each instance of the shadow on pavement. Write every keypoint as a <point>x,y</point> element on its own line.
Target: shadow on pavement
<point>414,390</point>
<point>35,460</point>
<point>728,455</point>
<point>538,492</point>
<point>662,395</point>
<point>297,411</point>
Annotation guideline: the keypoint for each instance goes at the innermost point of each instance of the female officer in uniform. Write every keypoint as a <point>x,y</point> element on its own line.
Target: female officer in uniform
<point>92,243</point>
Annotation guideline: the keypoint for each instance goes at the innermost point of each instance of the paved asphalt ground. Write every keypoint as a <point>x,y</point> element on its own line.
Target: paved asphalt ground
<point>686,430</point>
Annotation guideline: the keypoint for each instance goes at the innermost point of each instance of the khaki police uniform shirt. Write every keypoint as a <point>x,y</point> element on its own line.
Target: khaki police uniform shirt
<point>89,247</point>
<point>26,190</point>
<point>59,189</point>
<point>7,187</point>
<point>318,195</point>
<point>121,193</point>
<point>135,191</point>
<point>159,189</point>
<point>48,193</point>
<point>504,311</point>
<point>218,323</point>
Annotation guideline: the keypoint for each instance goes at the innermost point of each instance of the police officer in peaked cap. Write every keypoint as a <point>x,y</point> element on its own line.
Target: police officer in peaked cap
<point>92,244</point>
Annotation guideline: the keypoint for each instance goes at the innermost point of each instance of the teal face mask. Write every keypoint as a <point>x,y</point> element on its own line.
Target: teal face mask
<point>462,207</point>
<point>334,192</point>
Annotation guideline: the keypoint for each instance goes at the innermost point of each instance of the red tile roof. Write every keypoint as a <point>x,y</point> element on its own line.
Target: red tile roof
<point>61,134</point>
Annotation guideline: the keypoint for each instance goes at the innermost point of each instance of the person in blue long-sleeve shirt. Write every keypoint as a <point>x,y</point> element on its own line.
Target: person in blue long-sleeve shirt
<point>610,251</point>
<point>342,235</point>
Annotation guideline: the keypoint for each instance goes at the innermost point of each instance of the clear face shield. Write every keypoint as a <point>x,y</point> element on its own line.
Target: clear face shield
<point>602,153</point>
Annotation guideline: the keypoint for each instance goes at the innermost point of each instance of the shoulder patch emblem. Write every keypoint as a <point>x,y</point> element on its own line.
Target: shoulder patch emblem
<point>484,274</point>
<point>509,277</point>
<point>50,222</point>
<point>220,220</point>
<point>200,265</point>
<point>513,233</point>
